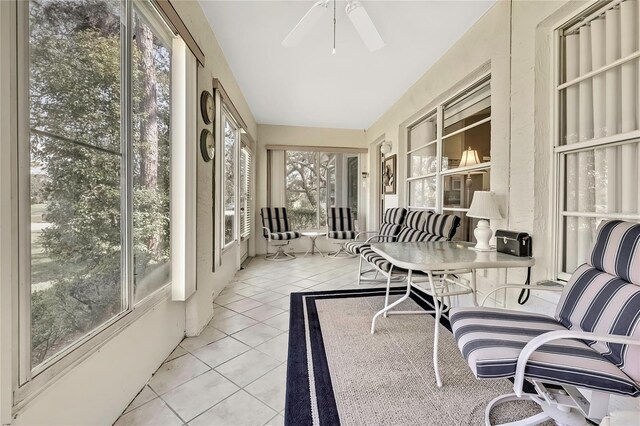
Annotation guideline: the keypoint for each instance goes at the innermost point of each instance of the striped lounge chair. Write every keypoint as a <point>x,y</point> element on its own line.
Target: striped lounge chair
<point>419,225</point>
<point>389,229</point>
<point>341,228</point>
<point>592,341</point>
<point>277,230</point>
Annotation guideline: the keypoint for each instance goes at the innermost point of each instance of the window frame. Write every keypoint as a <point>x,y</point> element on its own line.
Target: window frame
<point>559,150</point>
<point>438,112</point>
<point>30,381</point>
<point>227,114</point>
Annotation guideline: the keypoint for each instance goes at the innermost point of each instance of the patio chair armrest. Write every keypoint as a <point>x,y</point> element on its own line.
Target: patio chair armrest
<point>365,232</point>
<point>557,289</point>
<point>380,236</point>
<point>268,233</point>
<point>550,336</point>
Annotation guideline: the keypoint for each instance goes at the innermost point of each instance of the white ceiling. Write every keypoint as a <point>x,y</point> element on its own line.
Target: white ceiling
<point>307,85</point>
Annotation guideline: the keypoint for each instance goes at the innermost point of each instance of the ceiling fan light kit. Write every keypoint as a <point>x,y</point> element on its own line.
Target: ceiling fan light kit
<point>357,15</point>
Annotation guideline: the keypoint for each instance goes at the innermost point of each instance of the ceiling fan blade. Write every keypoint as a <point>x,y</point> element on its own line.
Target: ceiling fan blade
<point>308,21</point>
<point>364,25</point>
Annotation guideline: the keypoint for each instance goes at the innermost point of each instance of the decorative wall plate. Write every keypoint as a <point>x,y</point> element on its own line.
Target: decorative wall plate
<point>207,145</point>
<point>206,107</point>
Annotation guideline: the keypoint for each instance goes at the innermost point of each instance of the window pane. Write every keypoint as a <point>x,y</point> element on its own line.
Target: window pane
<point>459,189</point>
<point>230,140</point>
<point>76,240</point>
<point>601,106</point>
<point>302,189</point>
<point>352,188</point>
<point>423,133</point>
<point>423,161</point>
<point>150,84</point>
<point>466,227</point>
<point>422,193</point>
<point>470,109</point>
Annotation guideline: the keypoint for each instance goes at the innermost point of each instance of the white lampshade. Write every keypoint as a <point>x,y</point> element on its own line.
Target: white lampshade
<point>484,206</point>
<point>469,158</point>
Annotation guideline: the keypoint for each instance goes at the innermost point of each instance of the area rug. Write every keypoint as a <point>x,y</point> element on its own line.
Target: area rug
<point>340,374</point>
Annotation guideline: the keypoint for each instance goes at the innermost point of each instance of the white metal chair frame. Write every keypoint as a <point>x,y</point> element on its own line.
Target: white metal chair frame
<point>362,274</point>
<point>341,250</point>
<point>280,255</point>
<point>568,406</point>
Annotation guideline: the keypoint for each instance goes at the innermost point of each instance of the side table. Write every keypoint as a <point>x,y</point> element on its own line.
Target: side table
<point>313,236</point>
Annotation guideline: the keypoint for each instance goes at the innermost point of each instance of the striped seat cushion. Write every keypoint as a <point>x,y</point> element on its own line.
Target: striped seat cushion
<point>491,340</point>
<point>342,235</point>
<point>375,259</point>
<point>388,229</point>
<point>281,236</point>
<point>354,247</point>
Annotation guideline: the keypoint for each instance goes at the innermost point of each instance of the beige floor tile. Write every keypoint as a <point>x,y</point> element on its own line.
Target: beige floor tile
<point>282,303</point>
<point>225,299</point>
<point>276,348</point>
<point>145,395</point>
<point>233,324</point>
<point>240,409</point>
<point>207,335</point>
<point>250,291</point>
<point>247,367</point>
<point>267,296</point>
<point>243,305</point>
<point>176,372</point>
<point>288,289</point>
<point>154,413</point>
<point>257,334</point>
<point>281,322</point>
<point>221,351</point>
<point>270,388</point>
<point>198,395</point>
<point>220,312</point>
<point>177,352</point>
<point>263,312</point>
<point>276,421</point>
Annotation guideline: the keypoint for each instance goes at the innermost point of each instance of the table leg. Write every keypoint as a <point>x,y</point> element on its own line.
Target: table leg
<point>473,286</point>
<point>315,244</point>
<point>311,249</point>
<point>393,305</point>
<point>436,332</point>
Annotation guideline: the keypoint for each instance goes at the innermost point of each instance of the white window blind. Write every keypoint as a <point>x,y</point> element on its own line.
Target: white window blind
<point>246,214</point>
<point>598,140</point>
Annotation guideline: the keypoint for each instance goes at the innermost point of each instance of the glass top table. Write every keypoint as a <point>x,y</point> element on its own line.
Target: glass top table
<point>443,263</point>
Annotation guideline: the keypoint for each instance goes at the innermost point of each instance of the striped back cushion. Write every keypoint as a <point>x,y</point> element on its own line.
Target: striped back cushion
<point>617,250</point>
<point>388,229</point>
<point>595,300</point>
<point>413,228</point>
<point>394,216</point>
<point>339,219</point>
<point>275,219</point>
<point>442,225</point>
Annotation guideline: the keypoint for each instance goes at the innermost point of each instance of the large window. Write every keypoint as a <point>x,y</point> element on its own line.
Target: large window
<point>99,168</point>
<point>597,143</point>
<point>449,156</point>
<point>229,173</point>
<point>317,180</point>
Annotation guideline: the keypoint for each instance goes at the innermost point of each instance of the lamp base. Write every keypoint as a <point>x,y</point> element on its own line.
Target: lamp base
<point>485,250</point>
<point>483,234</point>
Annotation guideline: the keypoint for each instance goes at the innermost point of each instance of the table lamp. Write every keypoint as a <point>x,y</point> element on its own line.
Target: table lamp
<point>484,206</point>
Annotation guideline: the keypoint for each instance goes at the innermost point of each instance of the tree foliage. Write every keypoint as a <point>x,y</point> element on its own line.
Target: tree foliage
<point>77,162</point>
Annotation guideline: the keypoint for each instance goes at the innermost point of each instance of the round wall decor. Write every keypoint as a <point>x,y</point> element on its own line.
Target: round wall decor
<point>206,107</point>
<point>207,145</point>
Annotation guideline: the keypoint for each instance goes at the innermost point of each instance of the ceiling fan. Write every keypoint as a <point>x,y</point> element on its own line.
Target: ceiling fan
<point>356,13</point>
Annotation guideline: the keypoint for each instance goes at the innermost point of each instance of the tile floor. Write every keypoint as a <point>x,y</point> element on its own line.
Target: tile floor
<point>233,373</point>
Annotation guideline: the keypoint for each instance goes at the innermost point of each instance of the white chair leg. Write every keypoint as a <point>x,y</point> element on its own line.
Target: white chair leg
<point>360,271</point>
<point>529,421</point>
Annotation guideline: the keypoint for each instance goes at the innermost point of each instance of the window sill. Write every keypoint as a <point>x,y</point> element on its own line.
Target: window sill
<point>53,370</point>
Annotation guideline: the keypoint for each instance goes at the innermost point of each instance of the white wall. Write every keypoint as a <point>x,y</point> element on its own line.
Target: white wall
<point>99,388</point>
<point>298,136</point>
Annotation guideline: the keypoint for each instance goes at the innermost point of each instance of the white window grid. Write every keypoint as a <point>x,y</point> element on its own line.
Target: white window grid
<point>440,174</point>
<point>560,151</point>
